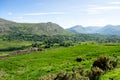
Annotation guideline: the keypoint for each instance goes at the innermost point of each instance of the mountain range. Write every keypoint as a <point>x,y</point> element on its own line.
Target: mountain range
<point>50,28</point>
<point>105,30</point>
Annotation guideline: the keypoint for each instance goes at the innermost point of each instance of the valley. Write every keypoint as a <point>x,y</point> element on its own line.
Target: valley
<point>36,55</point>
<point>59,39</point>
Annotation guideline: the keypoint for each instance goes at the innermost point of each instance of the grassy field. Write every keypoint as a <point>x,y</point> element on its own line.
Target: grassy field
<point>5,46</point>
<point>112,74</point>
<point>50,61</point>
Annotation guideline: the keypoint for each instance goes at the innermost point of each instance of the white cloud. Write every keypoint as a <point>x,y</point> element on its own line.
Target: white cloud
<point>47,13</point>
<point>107,8</point>
<point>10,13</point>
<point>90,11</point>
<point>20,17</point>
<point>21,20</point>
<point>101,9</point>
<point>116,3</point>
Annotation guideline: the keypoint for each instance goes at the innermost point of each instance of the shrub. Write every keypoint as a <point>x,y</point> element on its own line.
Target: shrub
<point>113,63</point>
<point>79,59</point>
<point>60,76</point>
<point>102,62</point>
<point>95,73</point>
<point>105,63</point>
<point>48,77</point>
<point>79,70</point>
<point>76,74</point>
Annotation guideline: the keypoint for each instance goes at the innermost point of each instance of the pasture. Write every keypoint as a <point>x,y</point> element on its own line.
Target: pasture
<point>34,65</point>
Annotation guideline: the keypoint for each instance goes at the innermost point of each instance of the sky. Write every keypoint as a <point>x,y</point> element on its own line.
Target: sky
<point>66,13</point>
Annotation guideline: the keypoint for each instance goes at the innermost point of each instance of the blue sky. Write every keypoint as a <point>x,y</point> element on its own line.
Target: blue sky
<point>66,13</point>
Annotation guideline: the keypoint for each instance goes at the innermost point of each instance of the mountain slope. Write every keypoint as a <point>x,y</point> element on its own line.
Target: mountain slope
<point>77,29</point>
<point>106,30</point>
<point>110,29</point>
<point>81,29</point>
<point>31,28</point>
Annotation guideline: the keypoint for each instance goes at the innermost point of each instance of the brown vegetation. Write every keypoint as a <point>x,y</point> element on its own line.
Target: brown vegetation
<point>26,51</point>
<point>105,63</point>
<point>80,59</point>
<point>95,73</point>
<point>22,52</point>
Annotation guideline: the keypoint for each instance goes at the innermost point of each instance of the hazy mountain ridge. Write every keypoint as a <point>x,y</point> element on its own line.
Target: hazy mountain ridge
<point>108,29</point>
<point>48,28</point>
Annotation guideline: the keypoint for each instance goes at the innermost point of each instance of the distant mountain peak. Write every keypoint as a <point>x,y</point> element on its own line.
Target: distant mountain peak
<point>108,29</point>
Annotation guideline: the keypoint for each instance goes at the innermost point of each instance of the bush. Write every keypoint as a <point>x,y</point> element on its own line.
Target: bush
<point>76,74</point>
<point>114,63</point>
<point>105,63</point>
<point>79,70</point>
<point>48,77</point>
<point>95,73</point>
<point>60,76</point>
<point>102,62</point>
<point>79,59</point>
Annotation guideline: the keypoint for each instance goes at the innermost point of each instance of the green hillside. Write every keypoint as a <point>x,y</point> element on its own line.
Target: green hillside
<point>31,28</point>
<point>34,65</point>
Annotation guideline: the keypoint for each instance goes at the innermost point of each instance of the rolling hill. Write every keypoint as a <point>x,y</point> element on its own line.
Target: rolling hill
<point>31,28</point>
<point>110,29</point>
<point>105,30</point>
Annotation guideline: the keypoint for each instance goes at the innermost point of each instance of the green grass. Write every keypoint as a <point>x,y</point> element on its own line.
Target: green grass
<point>33,65</point>
<point>5,45</point>
<point>115,74</point>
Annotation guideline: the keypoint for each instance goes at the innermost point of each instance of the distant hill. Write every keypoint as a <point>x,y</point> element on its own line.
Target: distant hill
<point>81,29</point>
<point>31,28</point>
<point>77,29</point>
<point>108,29</point>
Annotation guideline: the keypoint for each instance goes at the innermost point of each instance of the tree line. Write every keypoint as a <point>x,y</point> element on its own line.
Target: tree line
<point>60,40</point>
